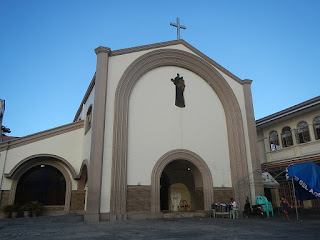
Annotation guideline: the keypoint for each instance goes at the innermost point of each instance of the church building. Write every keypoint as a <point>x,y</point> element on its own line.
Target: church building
<point>161,128</point>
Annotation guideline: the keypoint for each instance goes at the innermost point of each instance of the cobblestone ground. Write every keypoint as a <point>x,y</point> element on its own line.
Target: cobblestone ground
<point>73,227</point>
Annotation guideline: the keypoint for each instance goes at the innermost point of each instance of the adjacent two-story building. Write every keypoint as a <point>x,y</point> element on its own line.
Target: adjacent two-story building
<point>288,137</point>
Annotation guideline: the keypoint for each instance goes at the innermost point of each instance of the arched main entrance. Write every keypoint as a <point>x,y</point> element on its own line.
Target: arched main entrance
<point>172,168</point>
<point>181,183</point>
<point>42,183</point>
<point>205,70</point>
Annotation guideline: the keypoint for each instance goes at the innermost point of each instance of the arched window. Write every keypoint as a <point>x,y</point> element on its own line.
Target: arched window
<point>287,137</point>
<point>303,132</point>
<point>316,127</point>
<point>274,141</point>
<point>88,119</point>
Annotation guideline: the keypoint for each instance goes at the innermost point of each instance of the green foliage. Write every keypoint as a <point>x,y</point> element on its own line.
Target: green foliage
<point>5,129</point>
<point>27,207</point>
<point>32,206</point>
<point>36,205</point>
<point>8,208</point>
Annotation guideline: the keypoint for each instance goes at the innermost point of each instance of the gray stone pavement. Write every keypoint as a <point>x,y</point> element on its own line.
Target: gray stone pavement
<point>73,227</point>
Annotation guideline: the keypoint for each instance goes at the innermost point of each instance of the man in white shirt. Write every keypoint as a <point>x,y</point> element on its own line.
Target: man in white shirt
<point>234,209</point>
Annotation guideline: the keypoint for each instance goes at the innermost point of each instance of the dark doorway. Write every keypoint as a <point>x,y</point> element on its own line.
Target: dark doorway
<point>182,178</point>
<point>164,192</point>
<point>43,183</point>
<point>267,193</point>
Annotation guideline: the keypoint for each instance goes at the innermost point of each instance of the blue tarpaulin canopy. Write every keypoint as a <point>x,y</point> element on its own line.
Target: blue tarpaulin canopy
<point>306,178</point>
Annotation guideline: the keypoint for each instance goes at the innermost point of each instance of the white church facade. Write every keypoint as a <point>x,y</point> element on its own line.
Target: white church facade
<point>160,125</point>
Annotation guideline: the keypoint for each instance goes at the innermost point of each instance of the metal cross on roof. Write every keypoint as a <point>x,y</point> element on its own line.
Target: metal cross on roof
<point>178,26</point>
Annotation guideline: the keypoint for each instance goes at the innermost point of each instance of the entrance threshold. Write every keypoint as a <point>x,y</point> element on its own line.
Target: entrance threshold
<point>183,214</point>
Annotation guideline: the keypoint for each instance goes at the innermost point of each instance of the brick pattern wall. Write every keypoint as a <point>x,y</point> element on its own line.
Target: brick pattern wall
<point>223,195</point>
<point>199,199</point>
<point>77,201</point>
<point>52,210</point>
<point>4,197</point>
<point>138,198</point>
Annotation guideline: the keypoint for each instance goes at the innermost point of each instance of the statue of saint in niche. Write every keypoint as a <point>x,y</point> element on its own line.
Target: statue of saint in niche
<point>180,86</point>
<point>175,200</point>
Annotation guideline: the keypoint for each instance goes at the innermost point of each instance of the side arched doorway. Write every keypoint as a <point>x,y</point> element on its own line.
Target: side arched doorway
<point>43,183</point>
<point>45,178</point>
<point>181,171</point>
<point>182,180</point>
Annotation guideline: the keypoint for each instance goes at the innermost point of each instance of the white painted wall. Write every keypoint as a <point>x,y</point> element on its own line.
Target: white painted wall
<point>117,66</point>
<point>86,105</point>
<point>3,157</point>
<point>86,144</point>
<point>157,126</point>
<point>65,145</point>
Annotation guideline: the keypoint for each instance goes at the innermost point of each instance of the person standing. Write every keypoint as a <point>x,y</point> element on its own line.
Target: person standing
<point>284,205</point>
<point>234,209</point>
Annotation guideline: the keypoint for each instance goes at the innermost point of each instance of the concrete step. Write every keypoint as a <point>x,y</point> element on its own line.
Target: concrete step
<point>188,214</point>
<point>52,210</point>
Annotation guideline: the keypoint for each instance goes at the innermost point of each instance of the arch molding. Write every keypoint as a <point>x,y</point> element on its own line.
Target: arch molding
<point>191,62</point>
<point>181,154</point>
<point>30,163</point>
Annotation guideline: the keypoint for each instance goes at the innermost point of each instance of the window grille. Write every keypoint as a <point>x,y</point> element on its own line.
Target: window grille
<point>303,132</point>
<point>274,141</point>
<point>316,127</point>
<point>315,203</point>
<point>286,137</point>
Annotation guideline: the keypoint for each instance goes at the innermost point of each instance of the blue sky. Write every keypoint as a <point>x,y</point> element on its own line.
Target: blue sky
<point>47,59</point>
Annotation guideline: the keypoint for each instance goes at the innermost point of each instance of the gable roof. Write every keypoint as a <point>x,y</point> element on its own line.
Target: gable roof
<point>155,46</point>
<point>7,138</point>
<point>172,43</point>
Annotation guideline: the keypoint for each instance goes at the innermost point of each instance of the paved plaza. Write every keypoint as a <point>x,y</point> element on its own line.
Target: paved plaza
<point>73,227</point>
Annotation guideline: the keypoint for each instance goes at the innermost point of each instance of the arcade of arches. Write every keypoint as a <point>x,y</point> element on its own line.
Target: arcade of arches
<point>48,180</point>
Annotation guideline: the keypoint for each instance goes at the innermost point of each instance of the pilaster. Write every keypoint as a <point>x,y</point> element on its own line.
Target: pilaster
<point>253,142</point>
<point>97,138</point>
<point>311,133</point>
<point>294,137</point>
